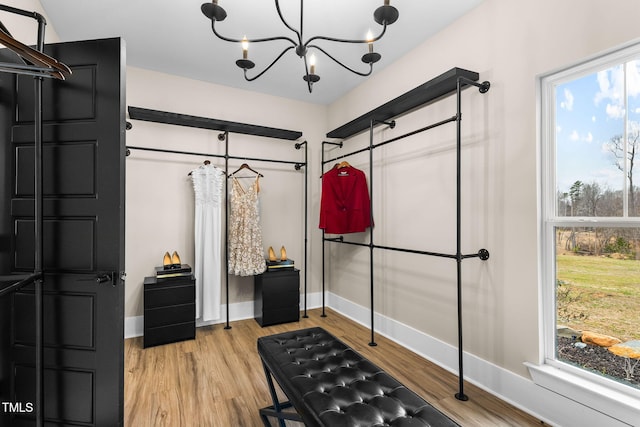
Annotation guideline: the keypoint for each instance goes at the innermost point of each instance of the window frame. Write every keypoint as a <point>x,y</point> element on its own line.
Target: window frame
<point>603,394</point>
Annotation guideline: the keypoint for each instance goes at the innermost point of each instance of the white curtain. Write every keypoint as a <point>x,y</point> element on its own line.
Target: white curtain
<point>207,184</point>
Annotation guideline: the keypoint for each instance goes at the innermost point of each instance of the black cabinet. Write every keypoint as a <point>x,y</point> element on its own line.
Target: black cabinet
<point>169,310</point>
<point>277,297</point>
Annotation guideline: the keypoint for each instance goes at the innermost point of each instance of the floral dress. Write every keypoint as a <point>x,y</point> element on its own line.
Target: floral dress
<point>246,257</point>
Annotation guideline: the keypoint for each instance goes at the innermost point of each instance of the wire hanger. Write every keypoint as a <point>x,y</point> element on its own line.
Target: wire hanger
<point>246,166</point>
<point>43,65</point>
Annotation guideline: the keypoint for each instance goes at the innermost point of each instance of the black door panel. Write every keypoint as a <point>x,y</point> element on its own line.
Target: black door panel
<point>83,237</point>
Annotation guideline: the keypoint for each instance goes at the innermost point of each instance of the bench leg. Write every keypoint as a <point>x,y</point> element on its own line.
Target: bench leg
<point>276,409</point>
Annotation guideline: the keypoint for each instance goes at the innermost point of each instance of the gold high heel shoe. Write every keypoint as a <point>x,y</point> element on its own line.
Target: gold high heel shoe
<point>283,254</point>
<point>175,259</point>
<point>166,261</point>
<point>272,254</point>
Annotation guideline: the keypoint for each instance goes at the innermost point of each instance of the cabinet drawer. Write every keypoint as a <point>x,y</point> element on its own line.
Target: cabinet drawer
<point>281,315</point>
<point>280,279</point>
<point>164,316</point>
<point>280,299</point>
<point>169,295</point>
<point>169,334</point>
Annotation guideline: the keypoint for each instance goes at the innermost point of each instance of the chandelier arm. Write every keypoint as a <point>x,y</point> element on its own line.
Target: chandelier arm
<point>266,39</point>
<point>286,24</point>
<point>306,71</point>
<point>343,65</point>
<point>250,79</point>
<point>334,39</point>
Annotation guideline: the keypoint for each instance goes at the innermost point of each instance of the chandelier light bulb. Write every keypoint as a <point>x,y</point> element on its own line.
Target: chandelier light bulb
<point>245,47</point>
<point>370,40</point>
<point>312,64</point>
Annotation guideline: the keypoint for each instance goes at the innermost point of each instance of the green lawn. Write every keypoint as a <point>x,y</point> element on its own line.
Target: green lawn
<point>603,295</point>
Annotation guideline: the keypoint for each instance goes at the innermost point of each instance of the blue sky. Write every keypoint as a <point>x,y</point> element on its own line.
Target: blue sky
<point>589,112</point>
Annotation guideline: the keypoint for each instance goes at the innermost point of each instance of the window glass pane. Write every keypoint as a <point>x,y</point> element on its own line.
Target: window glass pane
<point>633,134</point>
<point>598,295</point>
<point>589,120</point>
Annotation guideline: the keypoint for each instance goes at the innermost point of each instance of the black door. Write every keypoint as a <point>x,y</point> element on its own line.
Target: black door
<point>83,234</point>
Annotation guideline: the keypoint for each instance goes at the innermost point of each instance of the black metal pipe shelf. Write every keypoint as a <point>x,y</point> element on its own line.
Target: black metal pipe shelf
<point>231,127</point>
<point>428,92</point>
<point>169,118</point>
<point>448,83</point>
<point>37,277</point>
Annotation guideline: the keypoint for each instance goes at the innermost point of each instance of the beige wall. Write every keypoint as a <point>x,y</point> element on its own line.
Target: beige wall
<point>160,207</point>
<point>509,43</point>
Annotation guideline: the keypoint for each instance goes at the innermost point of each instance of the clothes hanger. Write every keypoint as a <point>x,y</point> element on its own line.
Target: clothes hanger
<point>343,164</point>
<point>31,70</point>
<point>52,67</point>
<point>205,163</point>
<point>34,56</point>
<point>246,166</point>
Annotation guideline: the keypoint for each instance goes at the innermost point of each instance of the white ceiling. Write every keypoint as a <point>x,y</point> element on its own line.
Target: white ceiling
<point>173,36</point>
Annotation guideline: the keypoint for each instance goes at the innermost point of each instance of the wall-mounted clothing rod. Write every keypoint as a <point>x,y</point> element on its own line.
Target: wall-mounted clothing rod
<point>389,141</point>
<point>297,165</point>
<point>482,253</point>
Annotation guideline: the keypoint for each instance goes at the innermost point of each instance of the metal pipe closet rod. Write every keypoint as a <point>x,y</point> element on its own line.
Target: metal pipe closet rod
<point>482,253</point>
<point>397,138</point>
<point>221,156</point>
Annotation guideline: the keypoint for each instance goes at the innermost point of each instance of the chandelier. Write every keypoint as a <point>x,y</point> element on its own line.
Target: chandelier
<point>383,15</point>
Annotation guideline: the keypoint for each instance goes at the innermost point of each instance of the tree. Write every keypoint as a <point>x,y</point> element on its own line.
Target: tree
<point>591,196</point>
<point>617,147</point>
<point>575,193</point>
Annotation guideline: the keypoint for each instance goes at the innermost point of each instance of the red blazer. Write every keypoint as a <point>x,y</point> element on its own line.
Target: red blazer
<point>345,204</point>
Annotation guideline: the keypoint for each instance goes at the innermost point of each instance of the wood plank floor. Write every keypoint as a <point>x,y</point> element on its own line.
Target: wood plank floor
<point>217,379</point>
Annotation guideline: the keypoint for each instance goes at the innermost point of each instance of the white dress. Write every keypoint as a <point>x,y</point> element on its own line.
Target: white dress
<point>246,256</point>
<point>207,185</point>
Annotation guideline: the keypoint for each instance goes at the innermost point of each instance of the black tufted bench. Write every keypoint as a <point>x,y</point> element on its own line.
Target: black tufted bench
<point>331,385</point>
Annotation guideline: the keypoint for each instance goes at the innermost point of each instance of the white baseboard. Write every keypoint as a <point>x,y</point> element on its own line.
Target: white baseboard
<point>134,325</point>
<point>521,392</point>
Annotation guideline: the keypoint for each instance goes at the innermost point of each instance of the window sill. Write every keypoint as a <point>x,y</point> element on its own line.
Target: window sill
<point>614,403</point>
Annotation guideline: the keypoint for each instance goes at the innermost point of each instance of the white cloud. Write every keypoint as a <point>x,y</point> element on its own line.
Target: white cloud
<point>611,84</point>
<point>593,119</point>
<point>558,129</point>
<point>574,136</point>
<point>615,111</point>
<point>567,104</point>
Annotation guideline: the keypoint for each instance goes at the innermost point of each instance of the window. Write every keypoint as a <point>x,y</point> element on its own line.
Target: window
<point>590,217</point>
